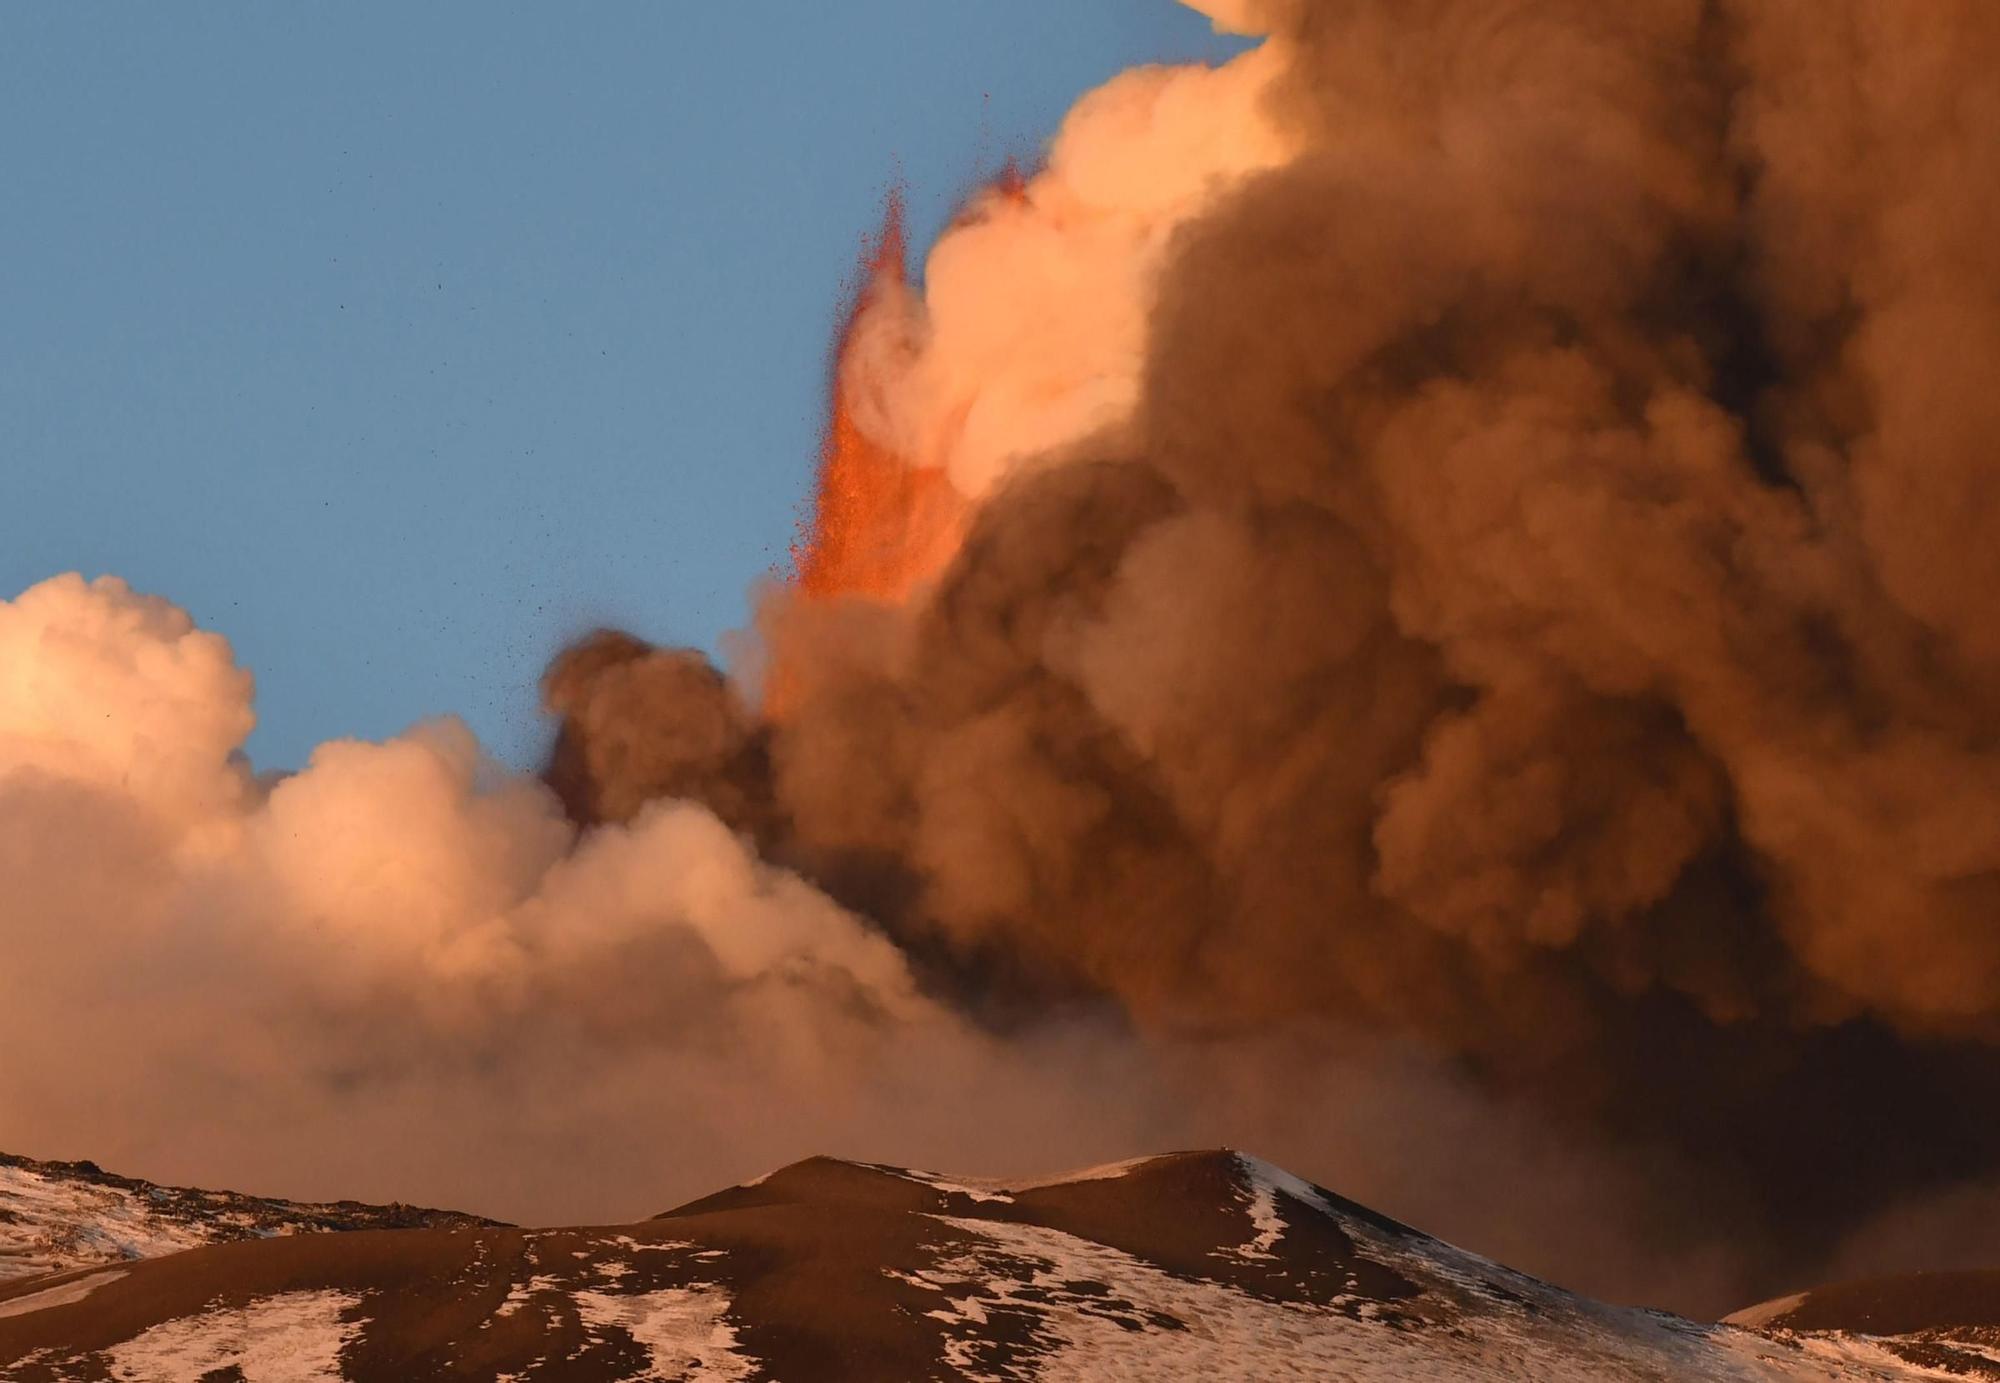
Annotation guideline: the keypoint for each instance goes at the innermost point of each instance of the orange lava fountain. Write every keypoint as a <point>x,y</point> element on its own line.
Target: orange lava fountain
<point>880,526</point>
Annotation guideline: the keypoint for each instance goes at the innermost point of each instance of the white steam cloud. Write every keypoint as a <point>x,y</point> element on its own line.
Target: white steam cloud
<point>1031,332</point>
<point>209,966</point>
<point>399,974</point>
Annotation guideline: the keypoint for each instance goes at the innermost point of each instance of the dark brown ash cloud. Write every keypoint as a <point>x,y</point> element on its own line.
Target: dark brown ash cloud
<point>1541,609</point>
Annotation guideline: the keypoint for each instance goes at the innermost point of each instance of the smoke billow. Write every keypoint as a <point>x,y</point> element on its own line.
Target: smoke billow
<point>1493,550</point>
<point>1462,660</point>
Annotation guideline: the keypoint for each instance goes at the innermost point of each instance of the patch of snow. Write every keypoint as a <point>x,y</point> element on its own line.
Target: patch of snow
<point>518,1297</point>
<point>685,1330</point>
<point>997,1189</point>
<point>975,1189</point>
<point>63,1294</point>
<point>1108,1171</point>
<point>294,1337</point>
<point>1264,1217</point>
<point>56,1217</point>
<point>1751,1317</point>
<point>1004,1189</point>
<point>1836,1356</point>
<point>1081,1311</point>
<point>52,1224</point>
<point>1268,1175</point>
<point>627,1242</point>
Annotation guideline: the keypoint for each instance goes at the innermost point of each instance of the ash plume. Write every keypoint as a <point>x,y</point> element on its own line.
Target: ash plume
<point>1416,602</point>
<point>1508,574</point>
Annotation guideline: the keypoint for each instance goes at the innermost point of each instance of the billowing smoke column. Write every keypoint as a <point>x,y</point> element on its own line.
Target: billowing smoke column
<point>1419,601</point>
<point>1480,528</point>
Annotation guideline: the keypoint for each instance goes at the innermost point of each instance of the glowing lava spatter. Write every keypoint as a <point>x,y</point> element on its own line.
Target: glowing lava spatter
<point>880,524</point>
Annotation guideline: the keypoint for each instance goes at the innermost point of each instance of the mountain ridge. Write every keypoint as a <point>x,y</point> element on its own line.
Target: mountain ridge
<point>1209,1261</point>
<point>59,1216</point>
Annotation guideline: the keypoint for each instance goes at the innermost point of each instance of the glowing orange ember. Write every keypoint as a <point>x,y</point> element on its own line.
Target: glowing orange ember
<point>880,526</point>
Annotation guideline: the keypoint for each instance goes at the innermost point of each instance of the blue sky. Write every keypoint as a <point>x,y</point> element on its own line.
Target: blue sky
<point>400,343</point>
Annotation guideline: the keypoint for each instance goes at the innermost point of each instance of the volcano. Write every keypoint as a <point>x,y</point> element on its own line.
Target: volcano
<point>1176,1266</point>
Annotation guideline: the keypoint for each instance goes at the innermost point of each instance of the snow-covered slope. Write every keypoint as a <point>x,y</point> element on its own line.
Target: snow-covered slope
<point>58,1216</point>
<point>1186,1266</point>
<point>1948,1321</point>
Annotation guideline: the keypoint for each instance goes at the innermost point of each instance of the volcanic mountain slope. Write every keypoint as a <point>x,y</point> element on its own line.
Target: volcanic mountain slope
<point>1188,1265</point>
<point>58,1216</point>
<point>1946,1321</point>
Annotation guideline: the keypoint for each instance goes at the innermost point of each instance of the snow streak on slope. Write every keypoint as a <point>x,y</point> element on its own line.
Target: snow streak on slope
<point>296,1337</point>
<point>62,1294</point>
<point>686,1331</point>
<point>1003,1188</point>
<point>1086,1311</point>
<point>1945,1321</point>
<point>1092,1312</point>
<point>59,1216</point>
<point>50,1225</point>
